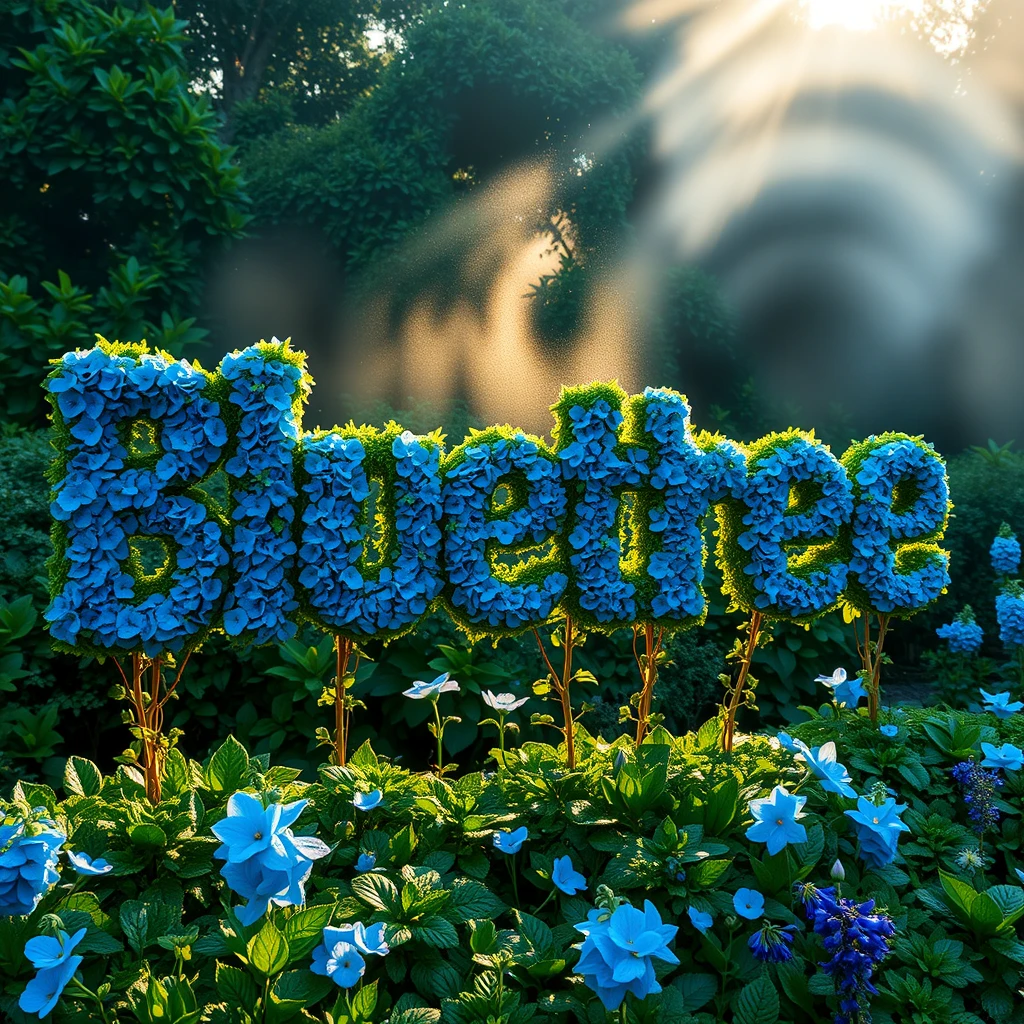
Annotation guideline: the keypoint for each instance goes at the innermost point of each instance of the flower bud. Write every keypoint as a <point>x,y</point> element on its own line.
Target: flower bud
<point>838,871</point>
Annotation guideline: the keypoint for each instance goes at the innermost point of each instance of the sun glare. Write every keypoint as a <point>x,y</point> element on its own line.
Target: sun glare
<point>852,15</point>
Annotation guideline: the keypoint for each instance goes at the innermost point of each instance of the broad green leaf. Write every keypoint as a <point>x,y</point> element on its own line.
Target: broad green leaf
<point>236,987</point>
<point>228,768</point>
<point>435,931</point>
<point>756,1003</point>
<point>985,913</point>
<point>82,777</point>
<point>696,990</point>
<point>960,894</point>
<point>471,899</point>
<point>305,929</point>
<point>377,891</point>
<point>268,950</point>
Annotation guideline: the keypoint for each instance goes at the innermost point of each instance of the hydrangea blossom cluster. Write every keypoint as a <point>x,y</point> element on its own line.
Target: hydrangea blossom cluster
<point>978,787</point>
<point>963,634</point>
<point>339,466</point>
<point>28,864</point>
<point>266,863</point>
<point>878,827</point>
<point>857,939</point>
<point>1010,615</point>
<point>265,386</point>
<point>688,479</point>
<point>503,599</point>
<point>1005,552</point>
<point>756,548</point>
<point>617,954</point>
<point>109,494</point>
<point>588,438</point>
<point>880,523</point>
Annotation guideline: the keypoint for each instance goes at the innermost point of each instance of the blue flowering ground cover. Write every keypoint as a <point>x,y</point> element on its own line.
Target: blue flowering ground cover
<point>844,869</point>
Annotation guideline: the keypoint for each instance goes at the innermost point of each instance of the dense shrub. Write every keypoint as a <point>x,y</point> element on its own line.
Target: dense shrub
<point>115,186</point>
<point>478,934</point>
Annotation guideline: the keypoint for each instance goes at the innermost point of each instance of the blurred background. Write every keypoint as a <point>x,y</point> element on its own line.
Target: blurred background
<point>796,212</point>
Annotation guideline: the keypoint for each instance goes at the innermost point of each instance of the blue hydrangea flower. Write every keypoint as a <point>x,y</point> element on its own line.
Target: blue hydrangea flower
<point>878,828</point>
<point>875,525</point>
<point>963,634</point>
<point>266,862</point>
<point>102,504</point>
<point>833,776</point>
<point>55,965</point>
<point>343,593</point>
<point>889,731</point>
<point>432,690</point>
<point>510,842</point>
<point>1010,615</point>
<point>84,866</point>
<point>1000,704</point>
<point>1005,552</point>
<point>775,820</point>
<point>367,801</point>
<point>846,692</point>
<point>566,878</point>
<point>1008,757</point>
<point>699,919</point>
<point>685,478</point>
<point>261,602</point>
<point>28,865</point>
<point>617,953</point>
<point>473,471</point>
<point>1020,875</point>
<point>366,862</point>
<point>771,944</point>
<point>748,903</point>
<point>771,525</point>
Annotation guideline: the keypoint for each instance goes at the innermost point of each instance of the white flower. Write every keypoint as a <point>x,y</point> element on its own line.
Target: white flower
<point>503,701</point>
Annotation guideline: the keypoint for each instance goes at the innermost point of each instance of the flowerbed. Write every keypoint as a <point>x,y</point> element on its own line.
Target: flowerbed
<point>670,882</point>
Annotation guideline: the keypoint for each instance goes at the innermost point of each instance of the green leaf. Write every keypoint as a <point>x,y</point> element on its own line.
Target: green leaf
<point>98,941</point>
<point>364,1002</point>
<point>416,1015</point>
<point>471,899</point>
<point>435,931</point>
<point>147,835</point>
<point>757,1003</point>
<point>960,894</point>
<point>305,929</point>
<point>377,891</point>
<point>696,990</point>
<point>301,987</point>
<point>236,987</point>
<point>228,769</point>
<point>985,913</point>
<point>705,873</point>
<point>268,950</point>
<point>721,807</point>
<point>134,918</point>
<point>82,777</point>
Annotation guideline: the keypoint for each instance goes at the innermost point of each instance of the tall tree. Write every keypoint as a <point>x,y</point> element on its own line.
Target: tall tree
<point>315,56</point>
